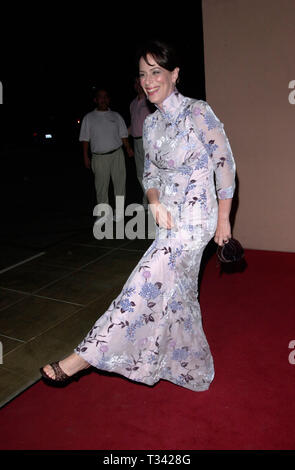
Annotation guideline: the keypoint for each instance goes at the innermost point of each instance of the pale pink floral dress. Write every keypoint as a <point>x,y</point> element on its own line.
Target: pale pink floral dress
<point>153,329</point>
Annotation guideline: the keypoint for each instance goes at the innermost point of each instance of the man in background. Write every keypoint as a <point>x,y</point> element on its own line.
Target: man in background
<point>105,132</point>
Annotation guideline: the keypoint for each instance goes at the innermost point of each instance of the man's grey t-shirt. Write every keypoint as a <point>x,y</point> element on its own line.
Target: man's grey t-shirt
<point>104,130</point>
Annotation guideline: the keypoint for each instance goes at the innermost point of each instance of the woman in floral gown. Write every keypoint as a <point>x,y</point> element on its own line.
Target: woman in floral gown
<point>153,329</point>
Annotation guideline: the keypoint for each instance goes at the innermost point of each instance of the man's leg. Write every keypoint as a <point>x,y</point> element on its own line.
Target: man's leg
<point>118,173</point>
<point>101,167</point>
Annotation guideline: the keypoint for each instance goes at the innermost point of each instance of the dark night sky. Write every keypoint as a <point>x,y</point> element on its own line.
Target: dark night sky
<point>49,64</point>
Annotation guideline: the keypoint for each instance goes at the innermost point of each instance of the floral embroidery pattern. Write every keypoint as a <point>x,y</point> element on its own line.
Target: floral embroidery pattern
<point>150,291</point>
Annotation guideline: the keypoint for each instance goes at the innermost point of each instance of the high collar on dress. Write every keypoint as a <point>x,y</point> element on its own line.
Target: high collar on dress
<point>171,105</point>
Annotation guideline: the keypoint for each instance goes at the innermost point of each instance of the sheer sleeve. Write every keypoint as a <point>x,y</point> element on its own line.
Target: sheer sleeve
<point>213,137</point>
<point>150,177</point>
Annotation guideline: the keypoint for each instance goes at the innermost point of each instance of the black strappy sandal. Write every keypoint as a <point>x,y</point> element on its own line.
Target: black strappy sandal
<point>61,378</point>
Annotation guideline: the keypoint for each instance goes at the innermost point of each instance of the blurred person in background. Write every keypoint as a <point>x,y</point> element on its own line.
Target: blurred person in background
<point>106,133</point>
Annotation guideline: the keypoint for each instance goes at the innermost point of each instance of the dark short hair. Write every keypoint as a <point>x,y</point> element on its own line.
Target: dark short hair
<point>164,54</point>
<point>99,89</point>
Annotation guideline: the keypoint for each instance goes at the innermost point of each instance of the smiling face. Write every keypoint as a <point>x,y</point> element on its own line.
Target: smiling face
<point>158,83</point>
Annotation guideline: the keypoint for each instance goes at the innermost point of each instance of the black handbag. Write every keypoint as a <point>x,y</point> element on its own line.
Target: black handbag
<point>230,252</point>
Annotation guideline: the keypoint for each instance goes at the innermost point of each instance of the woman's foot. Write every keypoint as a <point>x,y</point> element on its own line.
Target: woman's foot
<point>63,370</point>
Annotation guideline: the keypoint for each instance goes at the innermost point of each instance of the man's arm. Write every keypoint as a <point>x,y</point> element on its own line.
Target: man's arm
<point>85,146</point>
<point>127,146</point>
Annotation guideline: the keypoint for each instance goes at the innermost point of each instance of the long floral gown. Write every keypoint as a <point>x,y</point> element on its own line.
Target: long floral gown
<point>153,329</point>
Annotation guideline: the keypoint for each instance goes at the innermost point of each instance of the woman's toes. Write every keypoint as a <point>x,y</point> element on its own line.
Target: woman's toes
<point>49,371</point>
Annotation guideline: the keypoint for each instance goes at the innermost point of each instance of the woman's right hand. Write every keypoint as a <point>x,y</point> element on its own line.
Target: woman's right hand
<point>162,216</point>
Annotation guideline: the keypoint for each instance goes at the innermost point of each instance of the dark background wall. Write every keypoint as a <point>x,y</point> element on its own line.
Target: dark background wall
<point>50,61</point>
<point>51,58</point>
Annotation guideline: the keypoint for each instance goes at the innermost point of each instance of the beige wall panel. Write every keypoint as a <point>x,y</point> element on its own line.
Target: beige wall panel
<point>249,63</point>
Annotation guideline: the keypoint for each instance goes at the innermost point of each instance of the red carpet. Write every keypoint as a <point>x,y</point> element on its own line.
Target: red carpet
<point>249,321</point>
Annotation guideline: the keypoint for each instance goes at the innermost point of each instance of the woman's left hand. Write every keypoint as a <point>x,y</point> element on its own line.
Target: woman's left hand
<point>223,232</point>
